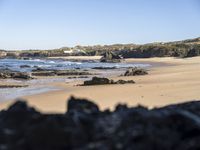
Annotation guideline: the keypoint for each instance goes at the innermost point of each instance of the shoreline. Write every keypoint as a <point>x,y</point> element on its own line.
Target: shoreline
<point>173,81</point>
<point>43,84</point>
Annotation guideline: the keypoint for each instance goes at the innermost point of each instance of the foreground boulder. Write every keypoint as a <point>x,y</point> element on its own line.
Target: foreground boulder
<point>82,105</point>
<point>110,57</point>
<point>102,81</point>
<point>84,126</point>
<point>135,72</point>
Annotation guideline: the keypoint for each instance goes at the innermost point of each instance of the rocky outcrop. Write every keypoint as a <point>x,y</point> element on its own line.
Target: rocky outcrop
<point>97,81</point>
<point>9,74</point>
<point>194,51</point>
<point>124,82</point>
<point>135,72</point>
<point>78,77</point>
<point>103,81</point>
<point>104,68</point>
<point>2,86</point>
<point>22,75</point>
<point>25,66</point>
<point>85,127</point>
<point>110,57</point>
<point>44,72</point>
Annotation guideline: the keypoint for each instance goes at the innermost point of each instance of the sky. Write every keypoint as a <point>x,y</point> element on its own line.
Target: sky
<point>48,24</point>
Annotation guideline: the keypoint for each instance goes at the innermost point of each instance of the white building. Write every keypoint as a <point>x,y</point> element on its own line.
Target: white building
<point>68,51</point>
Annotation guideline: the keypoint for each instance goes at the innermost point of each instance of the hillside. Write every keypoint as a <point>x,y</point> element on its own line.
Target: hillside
<point>184,48</point>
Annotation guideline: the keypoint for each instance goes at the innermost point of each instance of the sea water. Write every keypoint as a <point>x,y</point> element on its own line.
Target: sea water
<point>38,86</point>
<point>59,64</point>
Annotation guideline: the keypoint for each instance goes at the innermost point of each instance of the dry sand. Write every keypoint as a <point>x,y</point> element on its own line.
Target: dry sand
<point>179,81</point>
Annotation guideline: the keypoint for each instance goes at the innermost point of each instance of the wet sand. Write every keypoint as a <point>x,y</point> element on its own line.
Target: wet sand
<point>176,81</point>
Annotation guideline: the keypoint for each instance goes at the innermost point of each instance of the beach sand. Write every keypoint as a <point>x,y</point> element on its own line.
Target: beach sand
<point>176,81</point>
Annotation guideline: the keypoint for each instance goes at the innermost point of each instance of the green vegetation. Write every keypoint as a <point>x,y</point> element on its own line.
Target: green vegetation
<point>186,48</point>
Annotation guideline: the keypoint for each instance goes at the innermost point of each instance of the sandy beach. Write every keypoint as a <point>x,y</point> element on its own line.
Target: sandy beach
<point>175,81</point>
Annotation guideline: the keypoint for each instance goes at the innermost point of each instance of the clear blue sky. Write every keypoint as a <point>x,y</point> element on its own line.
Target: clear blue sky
<point>45,24</point>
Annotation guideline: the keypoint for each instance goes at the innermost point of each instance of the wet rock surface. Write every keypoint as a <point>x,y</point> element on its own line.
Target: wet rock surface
<point>110,57</point>
<point>9,74</point>
<point>103,81</point>
<point>46,72</point>
<point>135,72</point>
<point>2,86</point>
<point>25,66</point>
<point>78,77</point>
<point>84,126</point>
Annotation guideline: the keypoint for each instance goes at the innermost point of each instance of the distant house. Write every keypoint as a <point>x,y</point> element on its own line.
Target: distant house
<point>3,54</point>
<point>73,51</point>
<point>70,51</point>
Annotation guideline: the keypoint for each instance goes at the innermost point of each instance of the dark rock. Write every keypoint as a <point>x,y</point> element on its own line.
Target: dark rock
<point>43,72</point>
<point>193,52</point>
<point>76,77</point>
<point>85,127</point>
<point>135,72</point>
<point>21,75</point>
<point>97,81</point>
<point>103,81</point>
<point>110,57</point>
<point>37,69</point>
<point>124,82</point>
<point>104,68</point>
<point>82,105</point>
<point>25,58</point>
<point>6,73</point>
<point>25,66</point>
<point>13,86</point>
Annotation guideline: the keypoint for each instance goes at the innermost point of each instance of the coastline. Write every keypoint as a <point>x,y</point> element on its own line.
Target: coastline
<point>173,81</point>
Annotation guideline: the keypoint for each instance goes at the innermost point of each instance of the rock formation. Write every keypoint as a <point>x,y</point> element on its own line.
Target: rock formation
<point>84,127</point>
<point>135,72</point>
<point>46,72</point>
<point>110,57</point>
<point>6,74</point>
<point>103,81</point>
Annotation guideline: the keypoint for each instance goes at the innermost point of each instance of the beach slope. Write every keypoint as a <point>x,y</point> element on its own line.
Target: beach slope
<point>176,81</point>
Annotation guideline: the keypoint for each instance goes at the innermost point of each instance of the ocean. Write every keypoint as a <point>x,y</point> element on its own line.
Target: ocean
<point>38,86</point>
<point>59,64</point>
